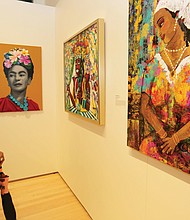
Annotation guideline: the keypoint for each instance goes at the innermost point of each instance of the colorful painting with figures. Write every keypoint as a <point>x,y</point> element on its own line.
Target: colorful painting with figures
<point>84,73</point>
<point>159,80</point>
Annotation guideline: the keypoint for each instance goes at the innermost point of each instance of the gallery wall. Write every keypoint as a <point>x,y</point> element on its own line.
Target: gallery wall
<point>29,139</point>
<point>110,179</point>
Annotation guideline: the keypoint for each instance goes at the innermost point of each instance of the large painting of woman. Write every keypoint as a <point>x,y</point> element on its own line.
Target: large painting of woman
<point>162,83</point>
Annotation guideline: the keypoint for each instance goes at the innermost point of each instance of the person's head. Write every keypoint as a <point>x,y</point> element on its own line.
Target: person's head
<point>18,56</point>
<point>18,78</point>
<point>18,69</point>
<point>171,17</point>
<point>165,25</point>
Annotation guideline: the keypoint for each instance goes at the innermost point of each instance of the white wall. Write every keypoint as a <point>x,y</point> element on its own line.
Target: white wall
<point>112,181</point>
<point>29,139</point>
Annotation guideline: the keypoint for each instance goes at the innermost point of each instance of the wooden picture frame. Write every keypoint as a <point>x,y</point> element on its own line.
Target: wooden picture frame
<point>84,73</point>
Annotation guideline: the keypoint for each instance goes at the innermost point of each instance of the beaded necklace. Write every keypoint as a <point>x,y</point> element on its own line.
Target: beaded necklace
<point>171,64</point>
<point>23,106</point>
<point>175,50</point>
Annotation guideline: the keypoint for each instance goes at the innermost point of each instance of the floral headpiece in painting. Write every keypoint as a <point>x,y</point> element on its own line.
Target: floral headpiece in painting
<point>183,6</point>
<point>17,56</point>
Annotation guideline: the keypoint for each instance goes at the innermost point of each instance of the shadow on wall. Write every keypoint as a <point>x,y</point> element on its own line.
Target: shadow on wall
<point>31,1</point>
<point>160,165</point>
<point>42,2</point>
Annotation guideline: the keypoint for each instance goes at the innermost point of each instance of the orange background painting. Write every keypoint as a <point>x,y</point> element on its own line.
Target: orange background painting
<point>34,90</point>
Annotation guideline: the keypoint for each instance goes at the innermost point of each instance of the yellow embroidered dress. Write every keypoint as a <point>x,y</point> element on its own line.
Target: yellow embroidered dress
<point>170,100</point>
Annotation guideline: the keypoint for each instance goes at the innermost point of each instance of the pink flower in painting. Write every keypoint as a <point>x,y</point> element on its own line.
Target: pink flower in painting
<point>8,64</point>
<point>15,55</point>
<point>24,59</point>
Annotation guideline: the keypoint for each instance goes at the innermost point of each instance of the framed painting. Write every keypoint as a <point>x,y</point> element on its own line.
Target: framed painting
<point>158,80</point>
<point>21,78</point>
<point>84,73</point>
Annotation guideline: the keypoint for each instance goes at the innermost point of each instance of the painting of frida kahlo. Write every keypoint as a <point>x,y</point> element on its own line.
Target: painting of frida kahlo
<point>159,80</point>
<point>21,78</point>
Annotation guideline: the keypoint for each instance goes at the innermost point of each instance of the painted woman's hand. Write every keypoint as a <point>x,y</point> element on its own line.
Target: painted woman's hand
<point>168,146</point>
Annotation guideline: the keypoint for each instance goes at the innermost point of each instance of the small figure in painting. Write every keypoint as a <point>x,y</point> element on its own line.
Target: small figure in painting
<point>87,83</point>
<point>165,99</point>
<point>79,89</point>
<point>19,70</point>
<point>77,81</point>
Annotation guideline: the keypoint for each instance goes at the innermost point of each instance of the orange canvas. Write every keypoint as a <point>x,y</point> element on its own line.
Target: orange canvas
<point>34,90</point>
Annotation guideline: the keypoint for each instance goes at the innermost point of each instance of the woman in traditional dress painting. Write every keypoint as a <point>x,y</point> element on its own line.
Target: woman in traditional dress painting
<point>165,100</point>
<point>19,70</point>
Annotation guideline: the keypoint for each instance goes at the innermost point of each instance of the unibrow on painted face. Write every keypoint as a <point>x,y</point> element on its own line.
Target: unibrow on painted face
<point>18,79</point>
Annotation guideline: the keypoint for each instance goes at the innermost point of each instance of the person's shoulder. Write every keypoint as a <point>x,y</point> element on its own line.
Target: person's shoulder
<point>3,99</point>
<point>32,105</point>
<point>4,104</point>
